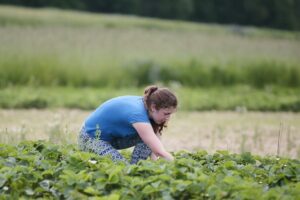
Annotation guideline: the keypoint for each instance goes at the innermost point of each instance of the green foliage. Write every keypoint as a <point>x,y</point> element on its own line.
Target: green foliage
<point>44,170</point>
<point>238,98</point>
<point>191,74</point>
<point>114,51</point>
<point>258,74</point>
<point>270,13</point>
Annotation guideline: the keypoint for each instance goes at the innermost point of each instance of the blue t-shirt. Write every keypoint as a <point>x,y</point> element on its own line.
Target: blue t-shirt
<point>114,118</point>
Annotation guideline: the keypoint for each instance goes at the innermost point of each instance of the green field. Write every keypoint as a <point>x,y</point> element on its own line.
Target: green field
<point>238,90</point>
<point>235,98</point>
<point>44,170</point>
<point>52,47</point>
<point>52,58</point>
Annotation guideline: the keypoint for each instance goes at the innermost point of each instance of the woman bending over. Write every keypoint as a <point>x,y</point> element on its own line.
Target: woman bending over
<point>128,121</point>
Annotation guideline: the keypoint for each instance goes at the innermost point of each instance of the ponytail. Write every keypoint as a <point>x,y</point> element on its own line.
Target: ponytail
<point>148,91</point>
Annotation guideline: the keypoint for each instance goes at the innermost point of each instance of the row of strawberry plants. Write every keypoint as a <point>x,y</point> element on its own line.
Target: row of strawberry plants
<point>43,170</point>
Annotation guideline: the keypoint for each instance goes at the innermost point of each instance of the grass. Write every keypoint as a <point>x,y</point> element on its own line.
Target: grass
<point>20,16</point>
<point>66,48</point>
<point>239,98</point>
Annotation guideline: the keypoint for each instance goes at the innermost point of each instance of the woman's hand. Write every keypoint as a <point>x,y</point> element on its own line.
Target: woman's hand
<point>154,157</point>
<point>168,156</point>
<point>148,136</point>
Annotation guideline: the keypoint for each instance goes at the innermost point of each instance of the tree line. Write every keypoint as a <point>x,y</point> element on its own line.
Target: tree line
<point>279,14</point>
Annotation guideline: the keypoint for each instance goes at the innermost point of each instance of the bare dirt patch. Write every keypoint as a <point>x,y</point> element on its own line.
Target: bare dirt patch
<point>233,131</point>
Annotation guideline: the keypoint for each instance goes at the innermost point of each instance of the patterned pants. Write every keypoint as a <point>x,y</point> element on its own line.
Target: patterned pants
<point>141,150</point>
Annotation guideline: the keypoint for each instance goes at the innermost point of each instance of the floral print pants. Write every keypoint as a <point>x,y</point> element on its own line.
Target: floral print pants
<point>140,152</point>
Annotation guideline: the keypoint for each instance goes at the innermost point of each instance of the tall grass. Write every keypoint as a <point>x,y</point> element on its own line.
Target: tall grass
<point>47,72</point>
<point>63,48</point>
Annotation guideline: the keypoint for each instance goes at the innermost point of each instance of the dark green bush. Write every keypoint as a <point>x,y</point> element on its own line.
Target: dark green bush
<point>270,13</point>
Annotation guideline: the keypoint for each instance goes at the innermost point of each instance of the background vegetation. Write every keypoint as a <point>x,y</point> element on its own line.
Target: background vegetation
<point>270,13</point>
<point>253,68</point>
<point>237,98</point>
<point>51,58</point>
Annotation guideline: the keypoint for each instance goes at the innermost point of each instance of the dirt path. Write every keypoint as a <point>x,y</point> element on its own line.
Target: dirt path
<point>251,131</point>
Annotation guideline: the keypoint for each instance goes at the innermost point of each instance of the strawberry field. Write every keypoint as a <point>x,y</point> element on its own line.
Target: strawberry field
<point>44,170</point>
<point>58,65</point>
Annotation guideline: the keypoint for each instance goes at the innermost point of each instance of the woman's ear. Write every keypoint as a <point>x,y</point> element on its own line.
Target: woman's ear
<point>153,107</point>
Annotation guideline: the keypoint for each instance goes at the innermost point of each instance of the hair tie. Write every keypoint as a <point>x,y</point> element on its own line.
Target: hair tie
<point>149,90</point>
<point>152,90</point>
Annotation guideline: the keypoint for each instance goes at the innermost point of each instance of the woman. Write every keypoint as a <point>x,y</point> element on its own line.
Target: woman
<point>128,121</point>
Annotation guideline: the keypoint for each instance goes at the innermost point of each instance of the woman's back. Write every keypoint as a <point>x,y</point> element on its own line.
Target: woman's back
<point>114,118</point>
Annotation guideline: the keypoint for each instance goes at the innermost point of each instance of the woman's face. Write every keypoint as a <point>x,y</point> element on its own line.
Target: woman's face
<point>162,115</point>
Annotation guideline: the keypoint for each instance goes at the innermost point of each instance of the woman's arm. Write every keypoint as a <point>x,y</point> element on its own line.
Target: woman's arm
<point>153,156</point>
<point>147,134</point>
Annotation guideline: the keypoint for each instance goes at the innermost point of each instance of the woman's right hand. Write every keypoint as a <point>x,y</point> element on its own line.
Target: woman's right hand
<point>169,156</point>
<point>148,136</point>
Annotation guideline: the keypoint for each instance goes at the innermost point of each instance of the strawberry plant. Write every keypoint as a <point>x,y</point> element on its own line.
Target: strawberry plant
<point>44,170</point>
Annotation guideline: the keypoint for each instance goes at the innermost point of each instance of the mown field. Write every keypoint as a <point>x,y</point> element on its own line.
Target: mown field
<point>237,131</point>
<point>57,66</point>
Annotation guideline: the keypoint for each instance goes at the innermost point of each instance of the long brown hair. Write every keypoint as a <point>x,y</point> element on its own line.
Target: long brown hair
<point>161,98</point>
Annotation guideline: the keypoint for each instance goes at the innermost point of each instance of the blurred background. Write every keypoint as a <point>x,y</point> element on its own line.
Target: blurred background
<point>269,13</point>
<point>234,66</point>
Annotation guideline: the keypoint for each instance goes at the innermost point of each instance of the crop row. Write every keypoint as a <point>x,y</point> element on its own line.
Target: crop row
<point>44,170</point>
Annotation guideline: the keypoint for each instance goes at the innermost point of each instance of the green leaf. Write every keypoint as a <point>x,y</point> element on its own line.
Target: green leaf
<point>114,174</point>
<point>156,184</point>
<point>164,177</point>
<point>213,191</point>
<point>231,180</point>
<point>247,158</point>
<point>48,173</point>
<point>109,197</point>
<point>69,177</point>
<point>45,184</point>
<point>10,162</point>
<point>229,164</point>
<point>91,190</point>
<point>113,178</point>
<point>2,180</point>
<point>29,192</point>
<point>149,189</point>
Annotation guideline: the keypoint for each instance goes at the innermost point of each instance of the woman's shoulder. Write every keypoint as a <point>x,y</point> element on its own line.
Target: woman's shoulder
<point>123,99</point>
<point>129,99</point>
<point>125,102</point>
<point>130,107</point>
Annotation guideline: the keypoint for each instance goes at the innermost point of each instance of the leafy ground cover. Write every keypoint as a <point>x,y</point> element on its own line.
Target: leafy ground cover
<point>45,170</point>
